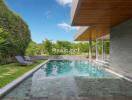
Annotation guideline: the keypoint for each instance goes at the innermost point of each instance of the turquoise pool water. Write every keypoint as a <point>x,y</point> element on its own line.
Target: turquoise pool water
<point>72,68</point>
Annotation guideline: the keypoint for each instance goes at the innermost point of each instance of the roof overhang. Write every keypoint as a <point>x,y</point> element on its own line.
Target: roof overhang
<point>91,12</point>
<point>92,33</point>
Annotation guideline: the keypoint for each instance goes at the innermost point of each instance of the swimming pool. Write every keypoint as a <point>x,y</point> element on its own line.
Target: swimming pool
<point>65,79</point>
<point>63,68</point>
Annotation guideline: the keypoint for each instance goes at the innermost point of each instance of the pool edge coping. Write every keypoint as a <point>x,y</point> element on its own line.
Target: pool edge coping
<point>113,72</point>
<point>18,80</point>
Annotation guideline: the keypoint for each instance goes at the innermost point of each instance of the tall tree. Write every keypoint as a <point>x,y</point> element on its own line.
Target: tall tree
<point>14,33</point>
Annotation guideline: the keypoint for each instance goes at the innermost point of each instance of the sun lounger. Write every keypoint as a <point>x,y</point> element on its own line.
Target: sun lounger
<point>21,60</point>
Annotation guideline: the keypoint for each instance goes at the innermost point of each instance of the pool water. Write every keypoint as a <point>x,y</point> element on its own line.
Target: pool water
<point>63,79</point>
<point>62,68</point>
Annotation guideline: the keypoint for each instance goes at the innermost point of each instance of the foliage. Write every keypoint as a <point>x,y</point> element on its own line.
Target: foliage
<point>31,50</point>
<point>34,49</point>
<point>47,47</point>
<point>47,44</point>
<point>14,33</point>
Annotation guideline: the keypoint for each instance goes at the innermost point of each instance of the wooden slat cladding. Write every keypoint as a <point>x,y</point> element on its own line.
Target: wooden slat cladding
<point>112,12</point>
<point>93,33</point>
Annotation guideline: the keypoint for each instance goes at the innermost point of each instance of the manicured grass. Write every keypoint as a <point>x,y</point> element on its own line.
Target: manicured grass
<point>9,72</point>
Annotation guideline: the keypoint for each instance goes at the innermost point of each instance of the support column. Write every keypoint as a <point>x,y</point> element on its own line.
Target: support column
<point>102,49</point>
<point>96,49</point>
<point>90,50</point>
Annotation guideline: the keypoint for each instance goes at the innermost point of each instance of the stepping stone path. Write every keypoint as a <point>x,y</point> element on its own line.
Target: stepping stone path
<point>6,74</point>
<point>1,76</point>
<point>10,72</point>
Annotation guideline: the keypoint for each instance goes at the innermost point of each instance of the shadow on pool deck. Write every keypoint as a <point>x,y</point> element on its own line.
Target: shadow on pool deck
<point>74,88</point>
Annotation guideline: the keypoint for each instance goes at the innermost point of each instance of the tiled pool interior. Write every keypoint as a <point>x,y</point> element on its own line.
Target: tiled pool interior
<point>71,80</point>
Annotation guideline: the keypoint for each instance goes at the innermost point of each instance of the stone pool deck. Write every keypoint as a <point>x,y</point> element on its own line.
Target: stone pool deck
<point>77,99</point>
<point>73,88</point>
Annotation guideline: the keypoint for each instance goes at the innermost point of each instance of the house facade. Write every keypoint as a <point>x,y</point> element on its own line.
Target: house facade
<point>106,19</point>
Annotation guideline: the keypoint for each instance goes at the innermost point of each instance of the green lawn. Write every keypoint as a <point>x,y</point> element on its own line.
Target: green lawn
<point>9,72</point>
